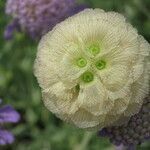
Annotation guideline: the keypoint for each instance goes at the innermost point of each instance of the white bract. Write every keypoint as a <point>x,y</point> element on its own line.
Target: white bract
<point>93,69</point>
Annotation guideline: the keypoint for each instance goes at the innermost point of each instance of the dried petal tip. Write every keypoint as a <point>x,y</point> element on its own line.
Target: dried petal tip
<point>93,69</point>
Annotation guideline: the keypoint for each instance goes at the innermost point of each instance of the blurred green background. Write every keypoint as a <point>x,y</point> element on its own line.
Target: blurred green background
<point>38,128</point>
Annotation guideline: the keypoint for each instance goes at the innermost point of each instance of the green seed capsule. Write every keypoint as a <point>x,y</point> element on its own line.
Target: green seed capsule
<point>94,49</point>
<point>87,77</point>
<point>81,62</point>
<point>101,64</point>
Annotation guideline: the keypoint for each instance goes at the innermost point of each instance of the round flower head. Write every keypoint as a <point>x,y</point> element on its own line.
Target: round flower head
<point>38,16</point>
<point>93,69</point>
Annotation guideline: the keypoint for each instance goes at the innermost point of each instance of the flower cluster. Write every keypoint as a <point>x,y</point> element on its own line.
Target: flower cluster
<point>38,16</point>
<point>93,69</point>
<point>7,115</point>
<point>135,132</point>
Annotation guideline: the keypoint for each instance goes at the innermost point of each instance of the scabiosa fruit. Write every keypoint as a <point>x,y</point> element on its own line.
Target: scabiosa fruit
<point>38,16</point>
<point>7,115</point>
<point>133,133</point>
<point>93,69</point>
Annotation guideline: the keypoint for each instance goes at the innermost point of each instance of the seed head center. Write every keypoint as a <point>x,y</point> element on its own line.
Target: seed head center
<point>87,77</point>
<point>81,62</point>
<point>101,64</point>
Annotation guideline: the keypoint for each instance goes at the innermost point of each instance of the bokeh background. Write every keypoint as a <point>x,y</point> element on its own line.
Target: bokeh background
<point>39,129</point>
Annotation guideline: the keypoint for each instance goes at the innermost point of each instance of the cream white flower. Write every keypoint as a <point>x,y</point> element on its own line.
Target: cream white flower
<point>93,69</point>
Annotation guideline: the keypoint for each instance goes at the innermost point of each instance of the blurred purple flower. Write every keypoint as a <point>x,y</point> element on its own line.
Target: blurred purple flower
<point>10,28</point>
<point>121,147</point>
<point>6,137</point>
<point>7,115</point>
<point>37,17</point>
<point>77,9</point>
<point>135,132</point>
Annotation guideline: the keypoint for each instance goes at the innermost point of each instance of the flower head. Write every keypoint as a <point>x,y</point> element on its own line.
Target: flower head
<point>133,133</point>
<point>93,69</point>
<point>39,16</point>
<point>7,115</point>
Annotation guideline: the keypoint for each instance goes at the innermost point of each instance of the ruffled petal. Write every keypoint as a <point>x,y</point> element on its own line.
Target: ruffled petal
<point>84,119</point>
<point>120,105</point>
<point>93,98</point>
<point>69,71</point>
<point>60,100</point>
<point>44,68</point>
<point>114,77</point>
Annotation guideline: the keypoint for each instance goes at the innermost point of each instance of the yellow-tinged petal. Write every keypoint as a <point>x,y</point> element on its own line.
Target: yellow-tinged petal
<point>94,98</point>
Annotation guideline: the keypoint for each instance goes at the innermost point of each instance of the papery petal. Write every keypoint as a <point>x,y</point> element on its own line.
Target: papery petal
<point>121,93</point>
<point>84,119</point>
<point>93,98</point>
<point>114,77</point>
<point>43,70</point>
<point>120,105</point>
<point>141,88</point>
<point>69,71</point>
<point>61,101</point>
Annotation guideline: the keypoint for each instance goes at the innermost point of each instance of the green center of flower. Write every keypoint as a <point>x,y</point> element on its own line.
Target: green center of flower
<point>94,49</point>
<point>81,62</point>
<point>101,64</point>
<point>87,77</point>
<point>77,87</point>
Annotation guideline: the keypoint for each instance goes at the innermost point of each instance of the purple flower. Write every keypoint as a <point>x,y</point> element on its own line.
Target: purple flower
<point>121,147</point>
<point>7,115</point>
<point>135,132</point>
<point>37,17</point>
<point>77,9</point>
<point>6,137</point>
<point>10,28</point>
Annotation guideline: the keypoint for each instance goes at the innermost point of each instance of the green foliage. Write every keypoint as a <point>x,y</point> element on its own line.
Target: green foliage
<point>38,128</point>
